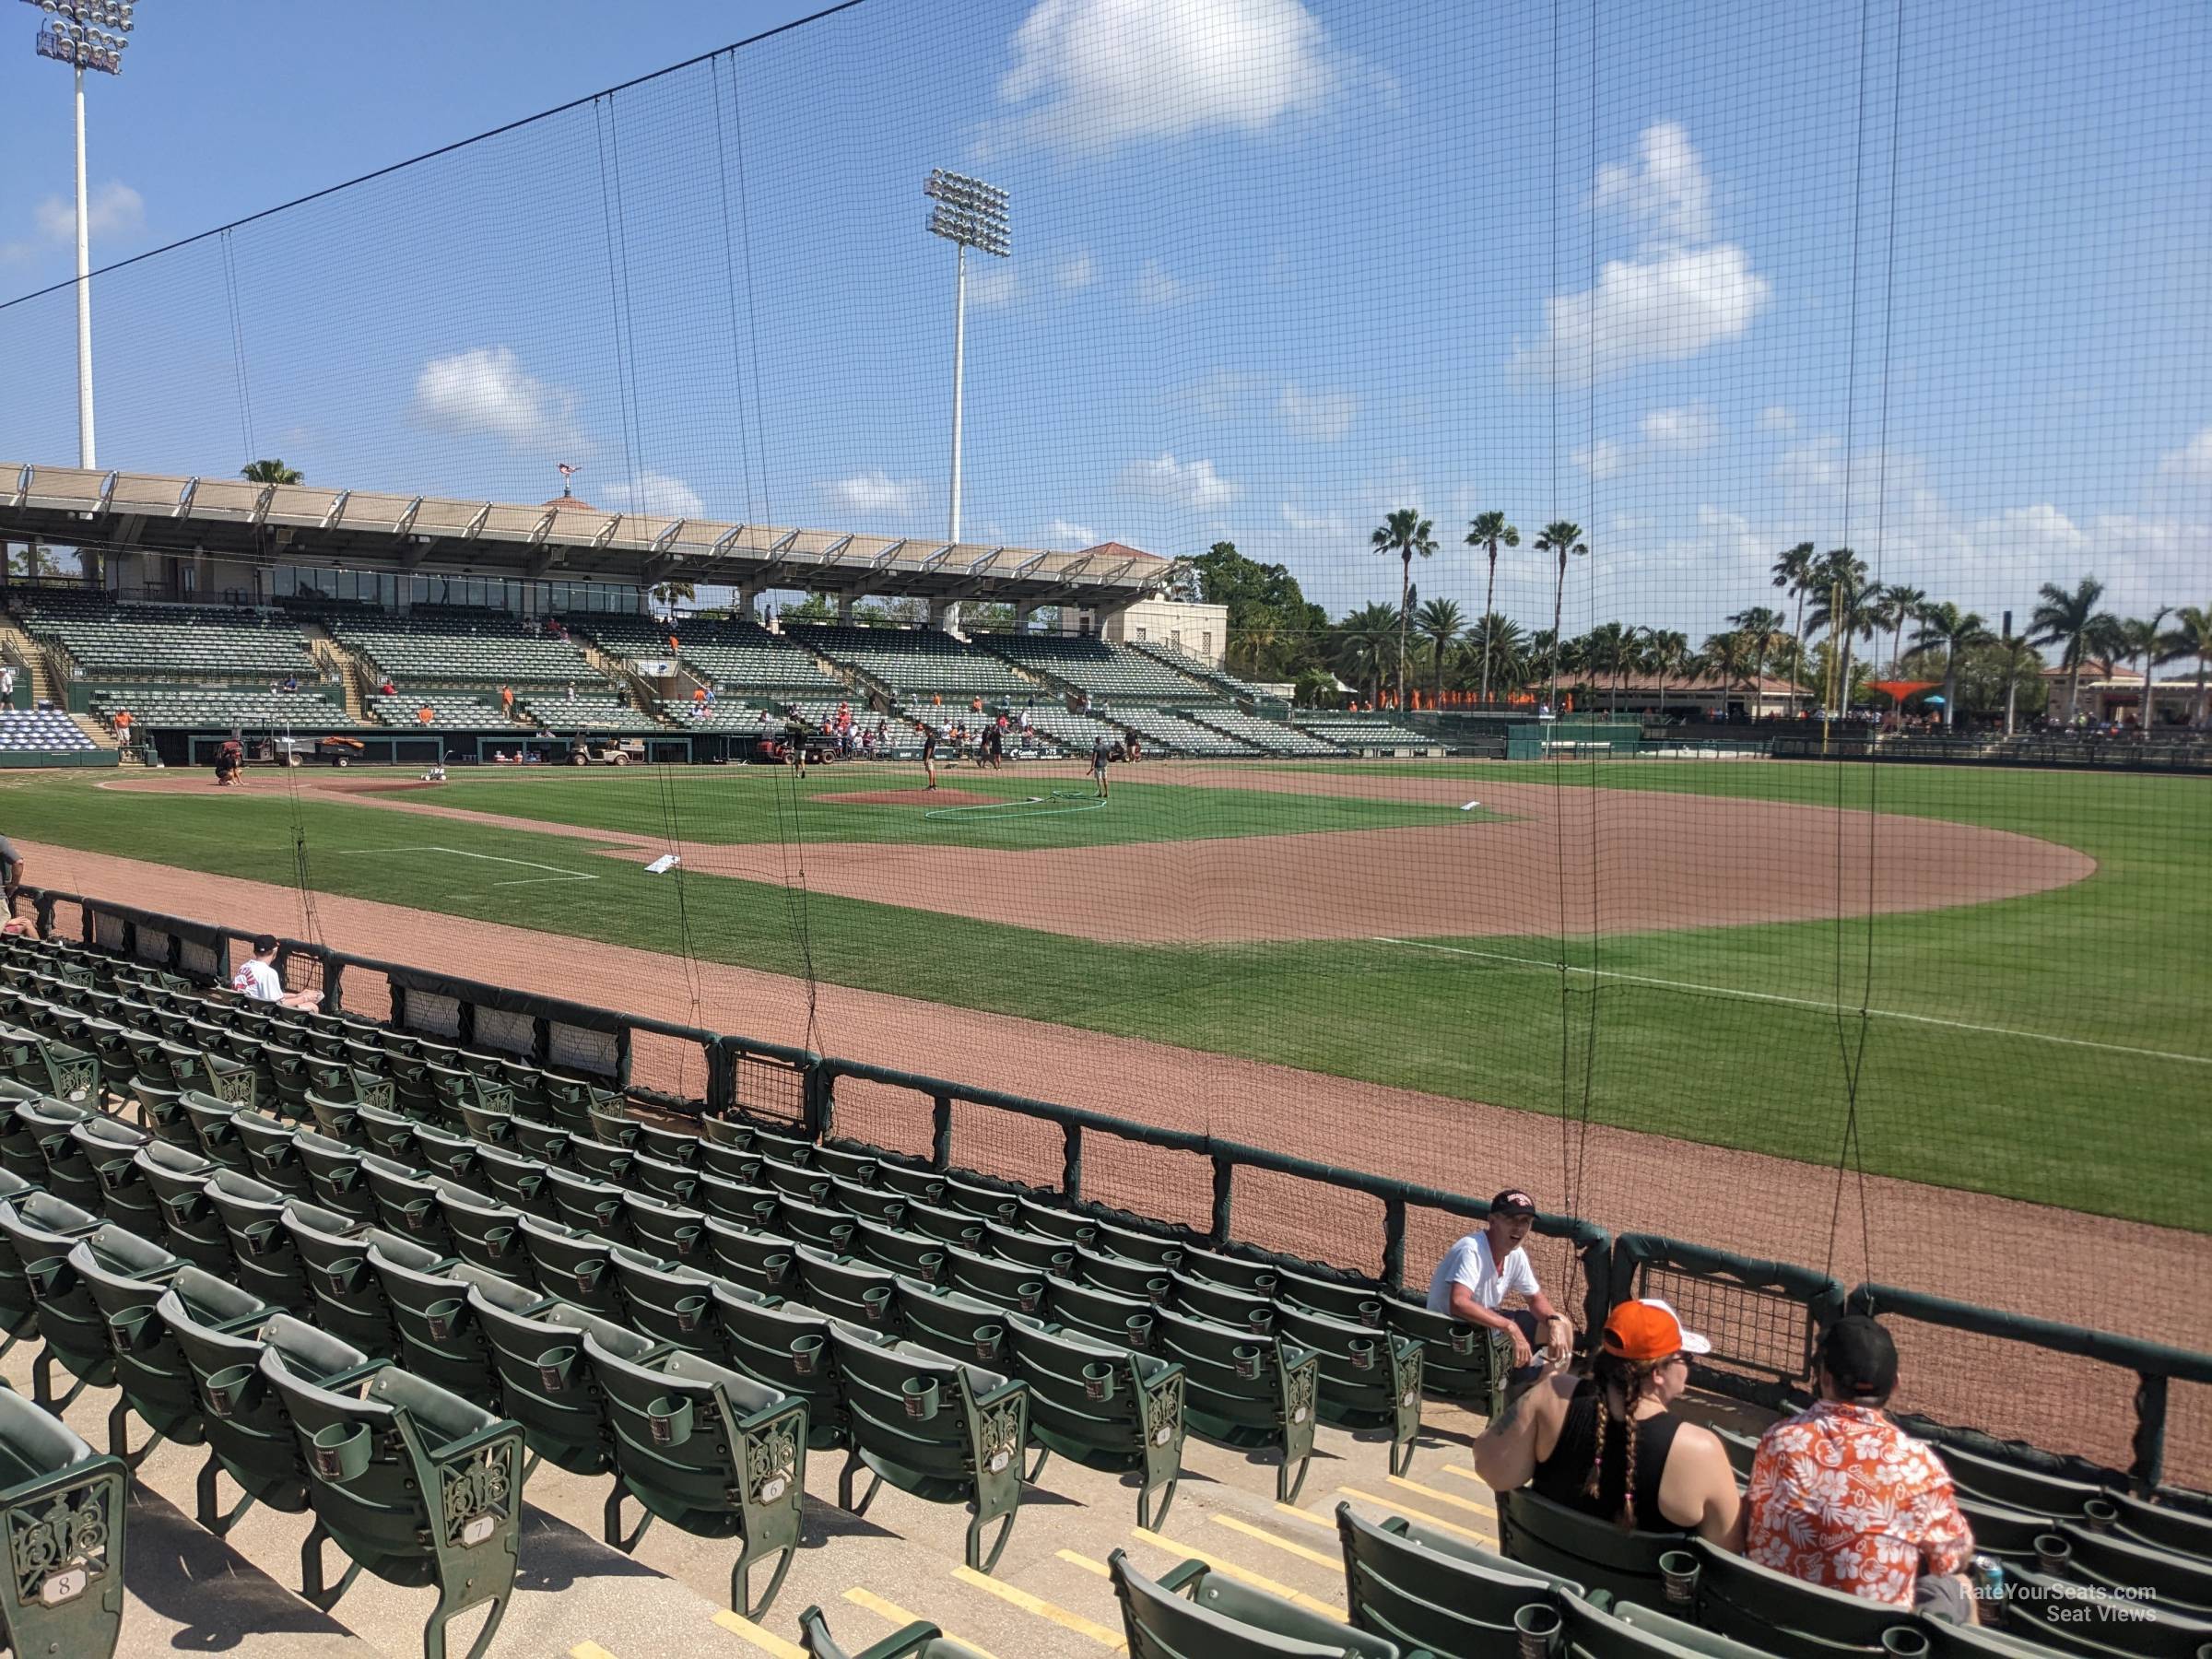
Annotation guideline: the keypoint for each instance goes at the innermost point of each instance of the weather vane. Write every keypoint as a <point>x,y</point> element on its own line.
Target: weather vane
<point>567,472</point>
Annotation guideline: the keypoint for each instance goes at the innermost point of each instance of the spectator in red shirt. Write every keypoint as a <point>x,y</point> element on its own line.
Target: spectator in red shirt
<point>1842,1498</point>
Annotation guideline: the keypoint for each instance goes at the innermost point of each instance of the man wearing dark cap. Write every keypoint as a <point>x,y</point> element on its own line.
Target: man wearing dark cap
<point>1481,1270</point>
<point>1842,1498</point>
<point>257,978</point>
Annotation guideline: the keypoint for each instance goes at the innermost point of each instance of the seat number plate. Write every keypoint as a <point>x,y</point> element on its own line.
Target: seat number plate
<point>63,1586</point>
<point>475,1531</point>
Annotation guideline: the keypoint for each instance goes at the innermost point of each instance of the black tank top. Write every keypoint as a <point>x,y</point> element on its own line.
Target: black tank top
<point>1562,1475</point>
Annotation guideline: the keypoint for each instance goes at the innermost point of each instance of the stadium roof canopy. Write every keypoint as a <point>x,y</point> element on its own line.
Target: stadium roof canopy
<point>561,540</point>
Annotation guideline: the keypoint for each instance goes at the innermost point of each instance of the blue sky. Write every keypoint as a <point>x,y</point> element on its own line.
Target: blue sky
<point>1692,277</point>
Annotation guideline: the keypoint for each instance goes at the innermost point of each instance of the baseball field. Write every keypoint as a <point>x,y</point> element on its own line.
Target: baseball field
<point>2009,965</point>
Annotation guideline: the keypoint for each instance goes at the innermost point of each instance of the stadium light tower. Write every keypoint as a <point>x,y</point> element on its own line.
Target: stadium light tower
<point>968,214</point>
<point>85,34</point>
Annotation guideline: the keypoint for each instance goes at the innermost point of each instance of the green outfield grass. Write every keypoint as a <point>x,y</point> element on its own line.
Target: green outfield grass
<point>2055,1046</point>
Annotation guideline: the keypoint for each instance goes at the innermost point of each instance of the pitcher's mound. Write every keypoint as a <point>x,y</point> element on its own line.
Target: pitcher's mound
<point>911,797</point>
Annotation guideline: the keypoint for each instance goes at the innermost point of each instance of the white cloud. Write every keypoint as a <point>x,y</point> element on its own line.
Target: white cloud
<point>1775,418</point>
<point>1079,270</point>
<point>1155,288</point>
<point>1668,197</point>
<point>1316,417</point>
<point>996,285</point>
<point>485,390</point>
<point>2192,460</point>
<point>1061,533</point>
<point>1224,394</point>
<point>879,493</point>
<point>1191,484</point>
<point>1092,74</point>
<point>1327,526</point>
<point>658,494</point>
<point>1657,309</point>
<point>1682,431</point>
<point>1602,459</point>
<point>112,209</point>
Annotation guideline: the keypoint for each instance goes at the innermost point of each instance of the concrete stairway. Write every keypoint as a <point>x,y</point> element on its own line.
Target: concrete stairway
<point>19,648</point>
<point>353,675</point>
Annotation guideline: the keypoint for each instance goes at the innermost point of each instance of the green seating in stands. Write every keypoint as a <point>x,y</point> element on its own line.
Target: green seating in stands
<point>933,1427</point>
<point>2008,1534</point>
<point>954,1324</point>
<point>178,1181</point>
<point>765,1262</point>
<point>816,1225</point>
<point>601,1161</point>
<point>1221,1619</point>
<point>909,1180</point>
<point>920,1639</point>
<point>856,1164</point>
<point>486,1232</point>
<point>670,1231</point>
<point>990,1202</point>
<point>1428,1592</point>
<point>547,1143</point>
<point>335,1177</point>
<point>97,1173</point>
<point>151,1374</point>
<point>272,1150</point>
<point>517,1180</point>
<point>25,1125</point>
<point>1068,1226</point>
<point>1626,1630</point>
<point>414,1484</point>
<point>385,1133</point>
<point>347,1301</point>
<point>579,1202</point>
<point>1459,1361</point>
<point>1778,1613</point>
<point>439,1337</point>
<point>1124,1275</point>
<point>64,1507</point>
<point>740,1163</point>
<point>2174,1582</point>
<point>68,1172</point>
<point>1535,1532</point>
<point>735,1201</point>
<point>537,1345</point>
<point>786,1347</point>
<point>574,1265</point>
<point>1103,1407</point>
<point>454,1157</point>
<point>18,1307</point>
<point>1245,1389</point>
<point>714,1454</point>
<point>36,1233</point>
<point>408,1203</point>
<point>661,1178</point>
<point>249,1433</point>
<point>1010,1283</point>
<point>872,1203</point>
<point>1995,1482</point>
<point>668,1302</point>
<point>69,1316</point>
<point>1369,1377</point>
<point>1039,1253</point>
<point>844,1288</point>
<point>1126,1320</point>
<point>946,1226</point>
<point>2056,1614</point>
<point>1224,1304</point>
<point>2161,1525</point>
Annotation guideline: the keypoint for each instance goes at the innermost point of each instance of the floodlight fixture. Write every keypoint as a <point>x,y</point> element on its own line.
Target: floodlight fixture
<point>968,214</point>
<point>84,34</point>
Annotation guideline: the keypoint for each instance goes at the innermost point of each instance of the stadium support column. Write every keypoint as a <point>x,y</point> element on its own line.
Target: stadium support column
<point>1023,614</point>
<point>83,295</point>
<point>844,609</point>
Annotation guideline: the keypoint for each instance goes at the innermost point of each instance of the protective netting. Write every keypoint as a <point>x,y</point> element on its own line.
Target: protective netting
<point>1672,515</point>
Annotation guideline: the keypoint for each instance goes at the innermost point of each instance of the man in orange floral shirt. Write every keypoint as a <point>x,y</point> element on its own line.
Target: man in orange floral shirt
<point>1842,1498</point>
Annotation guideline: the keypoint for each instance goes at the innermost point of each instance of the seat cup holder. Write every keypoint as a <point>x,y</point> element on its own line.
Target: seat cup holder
<point>441,1316</point>
<point>669,1420</point>
<point>806,1355</point>
<point>1246,1361</point>
<point>1097,1380</point>
<point>1139,1326</point>
<point>688,1310</point>
<point>1536,1629</point>
<point>920,1394</point>
<point>2054,1555</point>
<point>555,1367</point>
<point>2101,1513</point>
<point>1678,1572</point>
<point>987,1338</point>
<point>340,1451</point>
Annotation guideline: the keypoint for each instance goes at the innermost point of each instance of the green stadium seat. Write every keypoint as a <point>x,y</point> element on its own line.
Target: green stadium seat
<point>1992,1480</point>
<point>917,1256</point>
<point>1430,1592</point>
<point>764,1261</point>
<point>2175,1581</point>
<point>211,1125</point>
<point>1122,1321</point>
<point>714,1454</point>
<point>1459,1361</point>
<point>816,1225</point>
<point>1626,1630</point>
<point>1138,1244</point>
<point>1221,1619</point>
<point>1535,1532</point>
<point>96,1174</point>
<point>2008,1534</point>
<point>1039,1253</point>
<point>668,1302</point>
<point>1246,1390</point>
<point>2161,1525</point>
<point>272,1152</point>
<point>485,1234</point>
<point>662,1178</point>
<point>2050,1612</point>
<point>1213,1266</point>
<point>544,1383</point>
<point>574,1265</point>
<point>671,1232</point>
<point>673,1145</point>
<point>600,1159</point>
<point>933,1427</point>
<point>735,1202</point>
<point>66,1516</point>
<point>69,1316</point>
<point>335,1177</point>
<point>547,1143</point>
<point>24,1129</point>
<point>347,1301</point>
<point>946,1226</point>
<point>1050,1219</point>
<point>68,1169</point>
<point>587,1206</point>
<point>151,1374</point>
<point>1771,1611</point>
<point>263,1259</point>
<point>408,1203</point>
<point>953,1324</point>
<point>920,1639</point>
<point>414,1484</point>
<point>1103,1407</point>
<point>517,1180</point>
<point>440,1339</point>
<point>388,1133</point>
<point>847,1288</point>
<point>483,1123</point>
<point>1369,1377</point>
<point>1124,1275</point>
<point>989,1203</point>
<point>454,1157</point>
<point>1009,1284</point>
<point>336,1117</point>
<point>717,1130</point>
<point>911,1181</point>
<point>178,1181</point>
<point>37,1231</point>
<point>786,1347</point>
<point>794,1180</point>
<point>1224,1304</point>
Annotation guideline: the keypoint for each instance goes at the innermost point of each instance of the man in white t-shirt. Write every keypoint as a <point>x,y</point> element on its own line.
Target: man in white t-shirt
<point>1481,1270</point>
<point>257,980</point>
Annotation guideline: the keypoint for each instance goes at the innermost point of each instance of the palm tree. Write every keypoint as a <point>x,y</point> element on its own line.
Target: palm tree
<point>1945,627</point>
<point>1439,623</point>
<point>2070,620</point>
<point>1793,573</point>
<point>1502,649</point>
<point>1490,530</point>
<point>2139,637</point>
<point>270,472</point>
<point>1759,625</point>
<point>1900,606</point>
<point>2012,656</point>
<point>1363,640</point>
<point>2193,638</point>
<point>1844,605</point>
<point>1404,533</point>
<point>1665,651</point>
<point>1564,538</point>
<point>1602,649</point>
<point>1729,655</point>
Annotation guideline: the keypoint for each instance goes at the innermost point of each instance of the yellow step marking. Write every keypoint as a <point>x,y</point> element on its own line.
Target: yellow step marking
<point>1488,1539</point>
<point>1326,1522</point>
<point>1227,1568</point>
<point>765,1640</point>
<point>895,1614</point>
<point>1462,1472</point>
<point>589,1650</point>
<point>1042,1608</point>
<point>1084,1561</point>
<point>1287,1545</point>
<point>1455,1501</point>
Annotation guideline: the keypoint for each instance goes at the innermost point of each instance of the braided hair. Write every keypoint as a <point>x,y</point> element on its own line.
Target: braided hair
<point>1631,1380</point>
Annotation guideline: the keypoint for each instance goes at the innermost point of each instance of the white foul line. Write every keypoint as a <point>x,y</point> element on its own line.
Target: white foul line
<point>1797,1002</point>
<point>558,874</point>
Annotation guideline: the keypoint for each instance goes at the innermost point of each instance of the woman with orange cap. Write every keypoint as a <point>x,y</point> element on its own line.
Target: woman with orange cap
<point>1606,1444</point>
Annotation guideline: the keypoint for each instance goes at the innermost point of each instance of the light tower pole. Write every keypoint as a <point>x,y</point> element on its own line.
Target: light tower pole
<point>968,214</point>
<point>85,34</point>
